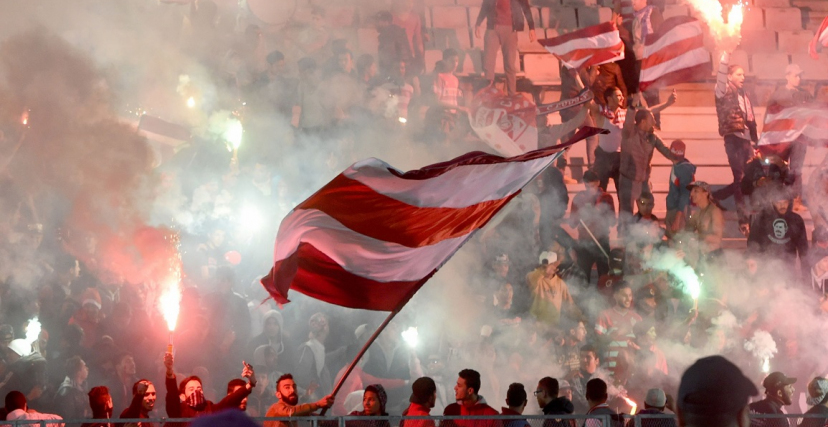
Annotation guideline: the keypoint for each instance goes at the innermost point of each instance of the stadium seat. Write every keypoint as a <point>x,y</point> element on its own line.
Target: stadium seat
<point>541,69</point>
<point>449,17</point>
<point>771,3</point>
<point>588,16</point>
<point>754,41</point>
<point>526,46</point>
<point>782,19</point>
<point>562,18</point>
<point>676,10</point>
<point>795,41</point>
<point>770,66</point>
<point>754,19</point>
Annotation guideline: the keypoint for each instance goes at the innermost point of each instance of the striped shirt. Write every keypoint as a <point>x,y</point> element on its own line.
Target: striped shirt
<point>618,326</point>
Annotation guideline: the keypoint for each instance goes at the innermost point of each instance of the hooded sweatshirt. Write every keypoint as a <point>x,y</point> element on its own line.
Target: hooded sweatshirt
<point>478,409</point>
<point>262,339</point>
<point>782,236</point>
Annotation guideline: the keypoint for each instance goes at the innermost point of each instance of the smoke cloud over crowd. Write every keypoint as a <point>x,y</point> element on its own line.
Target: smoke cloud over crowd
<point>136,137</point>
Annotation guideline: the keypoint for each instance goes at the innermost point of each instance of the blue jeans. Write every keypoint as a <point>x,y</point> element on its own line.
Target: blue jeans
<point>739,152</point>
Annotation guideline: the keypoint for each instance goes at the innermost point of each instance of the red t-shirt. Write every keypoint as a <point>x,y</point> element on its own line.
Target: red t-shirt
<point>503,12</point>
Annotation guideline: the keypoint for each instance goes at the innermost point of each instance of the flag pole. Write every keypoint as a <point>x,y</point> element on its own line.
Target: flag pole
<point>365,348</point>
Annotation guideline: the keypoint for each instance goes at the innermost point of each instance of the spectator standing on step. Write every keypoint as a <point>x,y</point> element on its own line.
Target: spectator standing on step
<point>791,95</point>
<point>678,196</point>
<point>504,18</point>
<point>409,20</point>
<point>737,124</point>
<point>393,43</point>
<point>638,141</point>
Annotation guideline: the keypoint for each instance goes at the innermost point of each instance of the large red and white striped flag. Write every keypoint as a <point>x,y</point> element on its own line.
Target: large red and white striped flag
<point>593,45</point>
<point>675,53</point>
<point>801,124</point>
<point>374,235</point>
<point>820,40</point>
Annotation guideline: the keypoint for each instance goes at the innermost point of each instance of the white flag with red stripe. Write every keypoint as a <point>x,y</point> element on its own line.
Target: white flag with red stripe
<point>594,45</point>
<point>820,40</point>
<point>374,235</point>
<point>806,124</point>
<point>675,53</point>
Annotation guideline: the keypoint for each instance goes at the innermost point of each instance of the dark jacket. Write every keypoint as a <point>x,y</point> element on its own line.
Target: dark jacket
<point>558,406</point>
<point>135,411</point>
<point>732,119</point>
<point>393,48</point>
<point>70,402</point>
<point>178,409</point>
<point>816,422</point>
<point>678,196</point>
<point>782,236</point>
<point>655,422</point>
<point>609,75</point>
<point>755,171</point>
<point>520,8</point>
<point>767,406</point>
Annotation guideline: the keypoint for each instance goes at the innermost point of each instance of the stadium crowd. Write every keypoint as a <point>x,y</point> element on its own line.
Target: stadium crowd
<point>591,301</point>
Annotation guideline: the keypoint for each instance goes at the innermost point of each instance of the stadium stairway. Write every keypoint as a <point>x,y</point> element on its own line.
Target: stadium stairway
<point>697,127</point>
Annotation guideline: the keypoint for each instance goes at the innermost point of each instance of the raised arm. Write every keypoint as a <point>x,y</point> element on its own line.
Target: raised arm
<point>721,75</point>
<point>172,397</point>
<point>661,107</point>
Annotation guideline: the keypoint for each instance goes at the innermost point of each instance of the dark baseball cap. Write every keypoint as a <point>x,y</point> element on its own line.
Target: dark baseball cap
<point>714,384</point>
<point>777,380</point>
<point>704,186</point>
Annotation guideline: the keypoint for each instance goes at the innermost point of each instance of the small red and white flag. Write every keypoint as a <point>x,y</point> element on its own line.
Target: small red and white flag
<point>675,53</point>
<point>801,124</point>
<point>374,235</point>
<point>595,45</point>
<point>820,40</point>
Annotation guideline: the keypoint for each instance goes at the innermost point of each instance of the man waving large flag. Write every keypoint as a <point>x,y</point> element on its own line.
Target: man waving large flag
<point>374,235</point>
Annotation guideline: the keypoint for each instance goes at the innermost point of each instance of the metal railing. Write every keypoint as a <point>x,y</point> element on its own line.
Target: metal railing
<point>603,420</point>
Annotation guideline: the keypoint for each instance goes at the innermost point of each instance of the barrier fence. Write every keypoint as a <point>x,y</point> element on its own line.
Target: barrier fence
<point>604,420</point>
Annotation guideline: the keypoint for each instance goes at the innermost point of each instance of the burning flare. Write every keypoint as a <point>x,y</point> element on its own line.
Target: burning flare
<point>633,405</point>
<point>233,133</point>
<point>411,336</point>
<point>24,118</point>
<point>170,302</point>
<point>33,331</point>
<point>710,11</point>
<point>190,102</point>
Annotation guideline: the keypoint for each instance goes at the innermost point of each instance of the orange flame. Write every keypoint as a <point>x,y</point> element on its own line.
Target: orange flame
<point>24,118</point>
<point>710,11</point>
<point>633,405</point>
<point>170,300</point>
